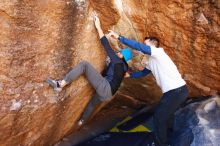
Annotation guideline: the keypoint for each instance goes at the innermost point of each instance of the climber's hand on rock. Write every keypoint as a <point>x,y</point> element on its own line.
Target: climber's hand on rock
<point>97,24</point>
<point>113,34</point>
<point>96,20</point>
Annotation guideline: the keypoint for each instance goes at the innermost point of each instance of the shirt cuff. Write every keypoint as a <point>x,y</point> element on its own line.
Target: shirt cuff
<point>120,37</point>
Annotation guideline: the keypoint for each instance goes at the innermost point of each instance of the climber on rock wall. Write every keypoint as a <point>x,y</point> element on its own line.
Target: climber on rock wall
<point>168,79</point>
<point>106,84</point>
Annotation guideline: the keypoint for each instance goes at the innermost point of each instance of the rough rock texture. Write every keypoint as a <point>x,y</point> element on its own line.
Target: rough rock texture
<point>199,122</point>
<point>45,38</point>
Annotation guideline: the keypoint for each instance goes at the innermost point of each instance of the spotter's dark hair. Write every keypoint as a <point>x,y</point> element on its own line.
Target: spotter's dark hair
<point>155,40</point>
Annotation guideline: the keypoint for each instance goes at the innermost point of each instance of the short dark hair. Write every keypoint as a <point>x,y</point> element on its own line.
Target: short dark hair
<point>155,40</point>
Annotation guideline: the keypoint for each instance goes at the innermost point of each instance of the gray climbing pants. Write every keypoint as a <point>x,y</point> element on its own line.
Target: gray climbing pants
<point>91,106</point>
<point>99,83</point>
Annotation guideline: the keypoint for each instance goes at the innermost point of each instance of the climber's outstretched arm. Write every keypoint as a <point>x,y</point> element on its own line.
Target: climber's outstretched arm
<point>98,25</point>
<point>110,52</point>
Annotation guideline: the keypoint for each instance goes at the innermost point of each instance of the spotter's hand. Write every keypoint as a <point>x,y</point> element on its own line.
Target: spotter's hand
<point>113,34</point>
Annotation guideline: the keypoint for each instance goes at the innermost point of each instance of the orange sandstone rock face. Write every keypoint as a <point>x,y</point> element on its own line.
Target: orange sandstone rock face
<point>46,38</point>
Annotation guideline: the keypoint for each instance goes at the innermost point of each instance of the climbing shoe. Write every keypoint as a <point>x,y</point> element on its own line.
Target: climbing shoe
<point>55,84</point>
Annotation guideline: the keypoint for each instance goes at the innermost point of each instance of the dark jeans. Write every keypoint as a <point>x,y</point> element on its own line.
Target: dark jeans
<point>169,103</point>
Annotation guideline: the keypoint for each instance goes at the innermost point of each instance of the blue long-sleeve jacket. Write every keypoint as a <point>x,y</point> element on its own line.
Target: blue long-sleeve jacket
<point>136,45</point>
<point>139,74</point>
<point>116,69</point>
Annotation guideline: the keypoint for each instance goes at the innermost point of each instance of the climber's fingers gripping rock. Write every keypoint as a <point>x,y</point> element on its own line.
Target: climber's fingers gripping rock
<point>96,20</point>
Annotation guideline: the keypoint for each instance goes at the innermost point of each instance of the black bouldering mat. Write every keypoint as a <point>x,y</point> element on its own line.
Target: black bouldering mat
<point>120,139</point>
